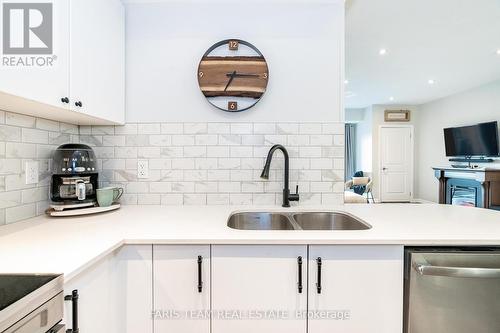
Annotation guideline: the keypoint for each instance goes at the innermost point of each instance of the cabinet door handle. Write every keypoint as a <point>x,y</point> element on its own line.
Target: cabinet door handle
<point>200,282</point>
<point>65,100</point>
<point>74,311</point>
<point>79,104</point>
<point>318,283</point>
<point>299,263</point>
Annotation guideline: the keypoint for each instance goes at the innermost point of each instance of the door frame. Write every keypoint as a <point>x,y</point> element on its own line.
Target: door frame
<point>412,157</point>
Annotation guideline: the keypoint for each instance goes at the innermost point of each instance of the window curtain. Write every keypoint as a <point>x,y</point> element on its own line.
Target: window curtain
<point>350,162</point>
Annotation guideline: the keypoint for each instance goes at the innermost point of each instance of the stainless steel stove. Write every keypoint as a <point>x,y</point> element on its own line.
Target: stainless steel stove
<point>31,303</point>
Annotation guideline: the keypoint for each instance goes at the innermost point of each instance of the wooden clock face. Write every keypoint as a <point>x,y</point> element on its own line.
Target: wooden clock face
<point>233,75</point>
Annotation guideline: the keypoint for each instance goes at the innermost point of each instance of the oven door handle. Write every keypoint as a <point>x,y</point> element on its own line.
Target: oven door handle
<point>458,272</point>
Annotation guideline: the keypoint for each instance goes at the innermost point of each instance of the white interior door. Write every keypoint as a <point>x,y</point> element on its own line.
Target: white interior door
<point>181,275</point>
<point>255,289</point>
<point>396,163</point>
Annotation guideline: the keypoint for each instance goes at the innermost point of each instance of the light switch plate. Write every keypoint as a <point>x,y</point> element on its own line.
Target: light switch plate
<point>31,170</point>
<point>142,169</point>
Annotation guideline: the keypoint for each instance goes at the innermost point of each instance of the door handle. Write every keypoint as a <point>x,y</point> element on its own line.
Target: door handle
<point>318,283</point>
<point>74,311</point>
<point>299,264</point>
<point>384,169</point>
<point>200,282</point>
<point>458,272</point>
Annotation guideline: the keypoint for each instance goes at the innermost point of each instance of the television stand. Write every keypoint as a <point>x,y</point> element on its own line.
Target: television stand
<point>469,160</point>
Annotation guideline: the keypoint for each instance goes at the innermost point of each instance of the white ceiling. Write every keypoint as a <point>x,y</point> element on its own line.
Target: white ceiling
<point>453,42</point>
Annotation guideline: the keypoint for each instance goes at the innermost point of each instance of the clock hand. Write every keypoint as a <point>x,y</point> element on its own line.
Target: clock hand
<point>230,80</point>
<point>242,75</point>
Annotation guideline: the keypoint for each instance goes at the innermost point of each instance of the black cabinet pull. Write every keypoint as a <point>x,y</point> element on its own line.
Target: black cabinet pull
<point>318,284</point>
<point>79,104</point>
<point>299,262</point>
<point>200,282</point>
<point>65,100</point>
<point>74,310</point>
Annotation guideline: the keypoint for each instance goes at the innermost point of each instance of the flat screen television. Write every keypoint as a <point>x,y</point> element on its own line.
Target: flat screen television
<point>476,140</point>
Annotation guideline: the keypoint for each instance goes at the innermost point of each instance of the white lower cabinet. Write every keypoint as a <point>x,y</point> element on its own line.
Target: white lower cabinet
<point>361,289</point>
<point>242,288</point>
<point>181,275</point>
<point>114,293</point>
<point>254,287</point>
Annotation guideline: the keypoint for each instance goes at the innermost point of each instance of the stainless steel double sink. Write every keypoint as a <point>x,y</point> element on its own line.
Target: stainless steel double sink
<point>295,221</point>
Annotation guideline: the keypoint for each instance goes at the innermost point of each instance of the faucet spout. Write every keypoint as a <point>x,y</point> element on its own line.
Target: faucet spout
<point>287,197</point>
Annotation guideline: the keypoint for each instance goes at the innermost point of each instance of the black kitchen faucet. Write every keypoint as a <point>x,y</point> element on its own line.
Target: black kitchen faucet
<point>287,197</point>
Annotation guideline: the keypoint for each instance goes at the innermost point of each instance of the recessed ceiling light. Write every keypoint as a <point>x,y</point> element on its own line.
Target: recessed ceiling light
<point>382,52</point>
<point>498,51</point>
<point>391,98</point>
<point>431,81</point>
<point>346,81</point>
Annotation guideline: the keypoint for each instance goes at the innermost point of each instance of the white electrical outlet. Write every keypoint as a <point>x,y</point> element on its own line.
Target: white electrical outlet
<point>31,170</point>
<point>142,169</point>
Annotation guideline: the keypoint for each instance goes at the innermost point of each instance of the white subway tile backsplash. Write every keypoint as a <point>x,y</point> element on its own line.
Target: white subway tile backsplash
<point>16,119</point>
<point>287,128</point>
<point>47,125</point>
<point>206,139</point>
<point>183,140</point>
<point>219,128</point>
<point>172,199</point>
<point>189,163</point>
<point>10,133</point>
<point>57,138</point>
<point>149,152</point>
<point>195,199</point>
<point>241,128</point>
<point>264,128</point>
<point>195,128</point>
<point>310,128</point>
<point>102,130</point>
<point>154,128</point>
<point>195,151</point>
<point>19,213</point>
<point>217,199</point>
<point>229,140</point>
<point>127,129</point>
<point>68,128</point>
<point>149,199</point>
<point>113,140</point>
<point>172,128</point>
<point>20,150</point>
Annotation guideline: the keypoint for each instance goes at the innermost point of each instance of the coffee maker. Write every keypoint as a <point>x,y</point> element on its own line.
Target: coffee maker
<point>74,177</point>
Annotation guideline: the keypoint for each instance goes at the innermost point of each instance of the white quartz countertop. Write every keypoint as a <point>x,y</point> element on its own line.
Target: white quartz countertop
<point>69,245</point>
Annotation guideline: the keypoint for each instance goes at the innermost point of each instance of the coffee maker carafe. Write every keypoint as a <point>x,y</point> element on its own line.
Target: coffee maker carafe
<point>74,177</point>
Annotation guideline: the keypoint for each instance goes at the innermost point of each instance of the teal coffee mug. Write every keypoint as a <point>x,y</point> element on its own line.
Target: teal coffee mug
<point>107,195</point>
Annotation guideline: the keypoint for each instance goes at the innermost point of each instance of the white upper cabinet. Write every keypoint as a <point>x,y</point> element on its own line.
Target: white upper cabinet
<point>359,288</point>
<point>97,62</point>
<point>256,288</point>
<point>181,288</point>
<point>85,65</point>
<point>39,77</point>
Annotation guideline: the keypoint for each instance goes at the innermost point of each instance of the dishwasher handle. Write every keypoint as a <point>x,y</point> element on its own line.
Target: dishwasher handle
<point>458,272</point>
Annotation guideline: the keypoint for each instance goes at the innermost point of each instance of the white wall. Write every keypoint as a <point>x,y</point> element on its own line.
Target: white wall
<point>378,120</point>
<point>301,40</point>
<point>481,104</point>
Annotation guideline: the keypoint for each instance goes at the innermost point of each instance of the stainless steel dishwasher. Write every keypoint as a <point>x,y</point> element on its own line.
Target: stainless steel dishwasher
<point>452,290</point>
